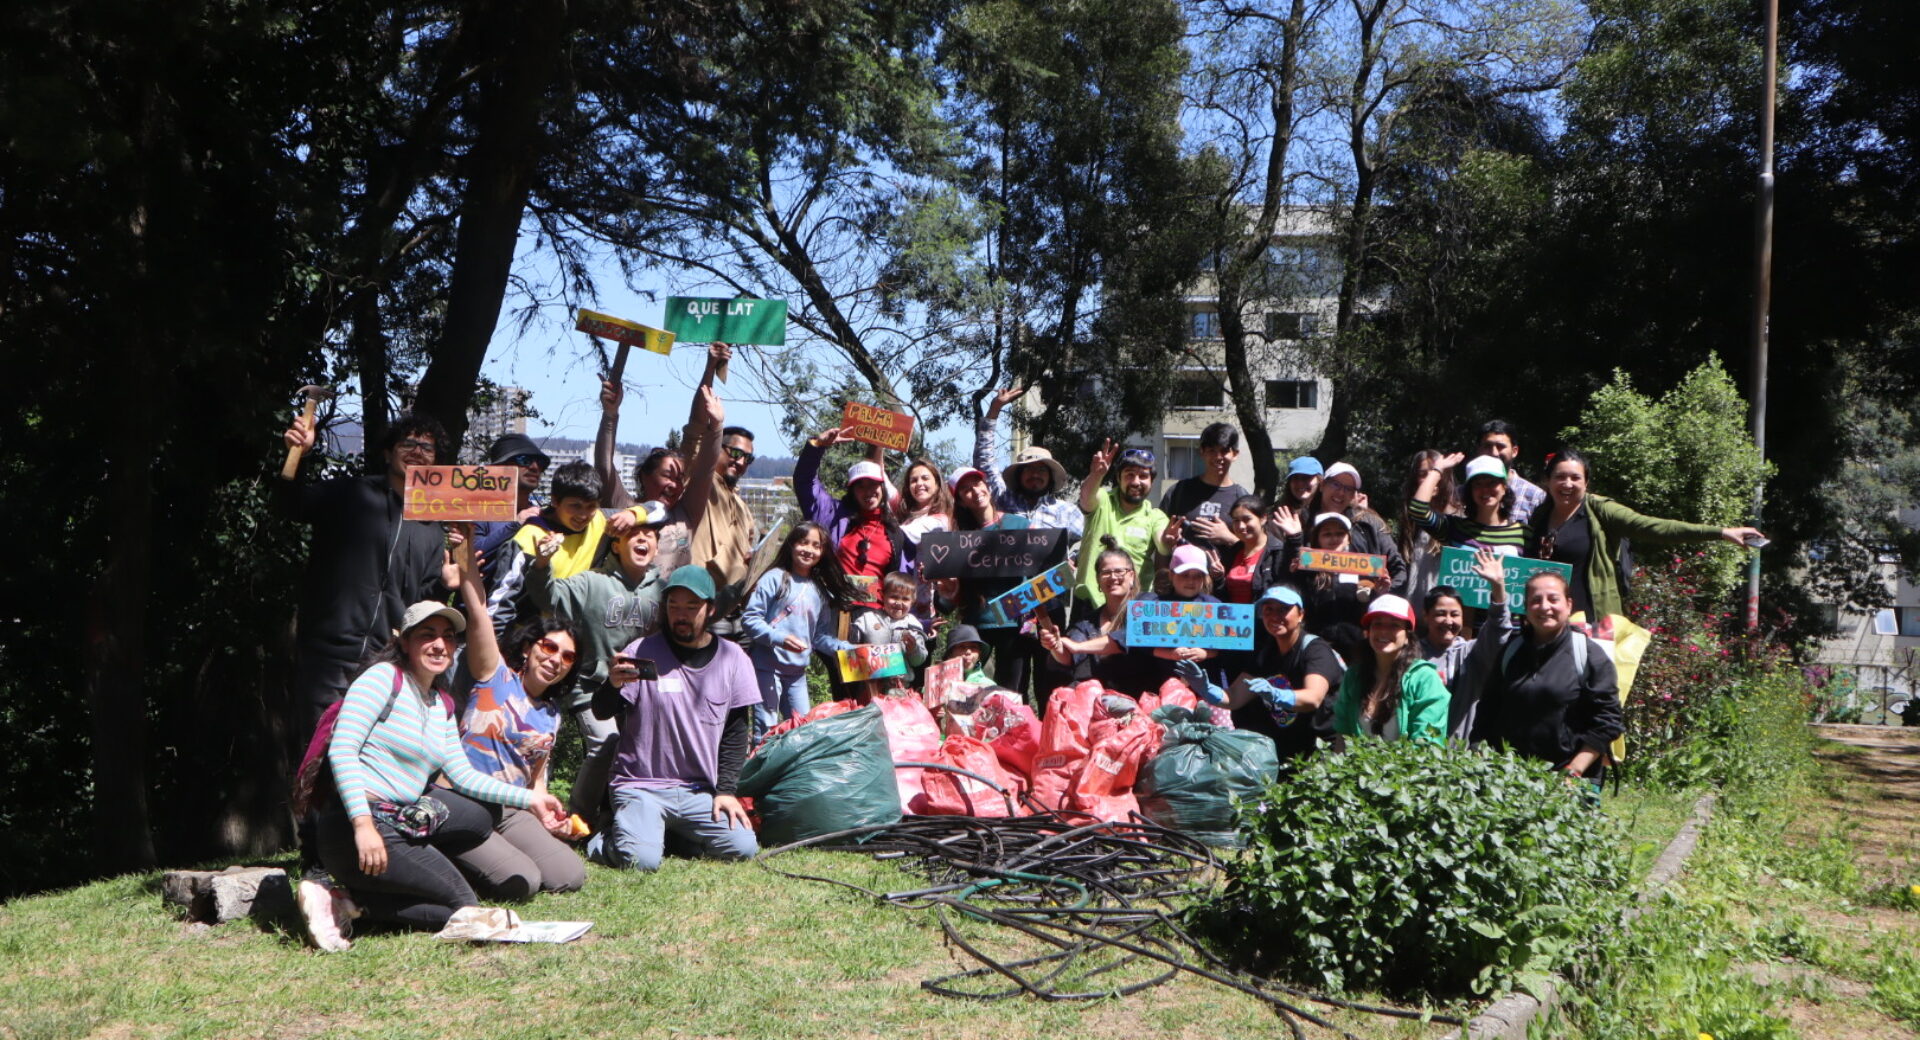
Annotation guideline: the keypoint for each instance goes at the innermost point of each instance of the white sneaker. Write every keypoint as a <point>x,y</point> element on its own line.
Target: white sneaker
<point>318,908</point>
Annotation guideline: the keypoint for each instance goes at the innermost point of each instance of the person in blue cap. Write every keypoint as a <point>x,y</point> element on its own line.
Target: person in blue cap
<point>1292,678</point>
<point>1303,479</point>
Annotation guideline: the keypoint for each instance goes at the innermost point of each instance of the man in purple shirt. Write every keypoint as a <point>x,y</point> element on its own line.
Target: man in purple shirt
<point>683,736</point>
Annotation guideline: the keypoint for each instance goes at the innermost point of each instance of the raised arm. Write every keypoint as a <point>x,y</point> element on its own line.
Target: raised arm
<point>1420,506</point>
<point>703,467</point>
<point>986,440</point>
<point>1096,474</point>
<point>816,502</point>
<point>483,644</point>
<point>614,490</point>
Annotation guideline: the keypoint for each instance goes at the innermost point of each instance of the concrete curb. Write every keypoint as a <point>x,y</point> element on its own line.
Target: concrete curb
<point>1509,1017</point>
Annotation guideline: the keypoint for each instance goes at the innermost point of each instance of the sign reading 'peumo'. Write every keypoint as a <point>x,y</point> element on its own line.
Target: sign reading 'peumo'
<point>451,493</point>
<point>700,319</point>
<point>1020,553</point>
<point>1209,626</point>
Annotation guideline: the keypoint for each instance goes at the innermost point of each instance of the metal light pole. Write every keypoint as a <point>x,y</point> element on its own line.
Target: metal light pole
<point>1763,291</point>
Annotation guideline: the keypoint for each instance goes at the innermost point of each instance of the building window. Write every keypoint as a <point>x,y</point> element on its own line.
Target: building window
<point>1196,390</point>
<point>1203,325</point>
<point>1293,393</point>
<point>1291,325</point>
<point>1182,459</point>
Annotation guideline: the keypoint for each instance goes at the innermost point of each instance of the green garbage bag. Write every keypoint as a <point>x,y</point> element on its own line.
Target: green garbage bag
<point>1191,784</point>
<point>829,775</point>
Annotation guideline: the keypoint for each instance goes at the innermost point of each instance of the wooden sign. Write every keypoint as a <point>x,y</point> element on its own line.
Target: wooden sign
<point>1209,626</point>
<point>1363,564</point>
<point>872,661</point>
<point>701,319</point>
<point>620,330</point>
<point>1456,569</point>
<point>1019,553</point>
<point>454,493</point>
<point>1022,600</point>
<point>890,430</point>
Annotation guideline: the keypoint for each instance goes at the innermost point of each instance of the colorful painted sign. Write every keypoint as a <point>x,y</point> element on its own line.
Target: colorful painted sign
<point>700,319</point>
<point>1364,564</point>
<point>1456,569</point>
<point>890,430</point>
<point>1209,626</point>
<point>1044,588</point>
<point>1018,553</point>
<point>454,493</point>
<point>943,678</point>
<point>872,661</point>
<point>620,330</point>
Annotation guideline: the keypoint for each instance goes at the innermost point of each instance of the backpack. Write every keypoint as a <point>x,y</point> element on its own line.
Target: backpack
<point>313,783</point>
<point>1512,650</point>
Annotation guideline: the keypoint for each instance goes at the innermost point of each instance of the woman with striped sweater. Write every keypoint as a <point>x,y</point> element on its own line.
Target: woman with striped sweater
<point>387,838</point>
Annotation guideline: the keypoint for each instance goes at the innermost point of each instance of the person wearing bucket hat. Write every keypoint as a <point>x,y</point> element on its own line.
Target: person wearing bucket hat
<point>863,533</point>
<point>1291,679</point>
<point>1488,521</point>
<point>1391,692</point>
<point>1034,486</point>
<point>1120,511</point>
<point>685,699</point>
<point>965,643</point>
<point>387,834</point>
<point>1339,492</point>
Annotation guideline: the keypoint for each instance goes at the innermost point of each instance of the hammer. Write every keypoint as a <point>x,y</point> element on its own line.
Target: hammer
<point>314,395</point>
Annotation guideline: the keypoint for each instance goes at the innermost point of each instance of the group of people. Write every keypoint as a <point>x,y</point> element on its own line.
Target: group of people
<point>640,620</point>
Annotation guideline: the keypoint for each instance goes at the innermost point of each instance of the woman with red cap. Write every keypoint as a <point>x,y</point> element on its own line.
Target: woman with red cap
<point>1391,693</point>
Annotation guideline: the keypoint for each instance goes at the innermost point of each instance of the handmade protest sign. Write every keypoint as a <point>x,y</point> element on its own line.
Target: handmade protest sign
<point>1024,599</point>
<point>620,330</point>
<point>890,430</point>
<point>872,661</point>
<point>942,677</point>
<point>1020,553</point>
<point>1456,569</point>
<point>1364,564</point>
<point>453,493</point>
<point>700,319</point>
<point>1209,626</point>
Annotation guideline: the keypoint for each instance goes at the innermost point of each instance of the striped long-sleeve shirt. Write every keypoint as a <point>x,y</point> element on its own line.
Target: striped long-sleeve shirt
<point>1466,532</point>
<point>393,760</point>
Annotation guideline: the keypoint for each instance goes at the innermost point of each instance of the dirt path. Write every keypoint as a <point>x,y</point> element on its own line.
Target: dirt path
<point>1884,800</point>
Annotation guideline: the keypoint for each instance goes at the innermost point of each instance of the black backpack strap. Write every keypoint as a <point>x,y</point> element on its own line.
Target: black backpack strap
<point>392,696</point>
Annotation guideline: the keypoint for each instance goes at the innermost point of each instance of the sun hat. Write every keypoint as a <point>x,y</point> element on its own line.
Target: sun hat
<point>1308,466</point>
<point>1032,456</point>
<point>692,577</point>
<point>1189,558</point>
<point>964,635</point>
<point>1395,607</point>
<point>958,475</point>
<point>1342,469</point>
<point>417,615</point>
<point>1487,466</point>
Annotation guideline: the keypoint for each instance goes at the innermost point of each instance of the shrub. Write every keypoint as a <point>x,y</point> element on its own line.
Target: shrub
<point>1410,868</point>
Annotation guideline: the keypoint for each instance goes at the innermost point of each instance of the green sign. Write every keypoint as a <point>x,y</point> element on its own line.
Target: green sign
<point>1456,569</point>
<point>701,319</point>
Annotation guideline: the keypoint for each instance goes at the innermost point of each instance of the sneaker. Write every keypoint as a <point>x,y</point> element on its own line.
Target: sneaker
<point>317,910</point>
<point>345,912</point>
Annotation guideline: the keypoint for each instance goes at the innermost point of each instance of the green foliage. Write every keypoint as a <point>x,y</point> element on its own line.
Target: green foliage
<point>1413,868</point>
<point>1687,456</point>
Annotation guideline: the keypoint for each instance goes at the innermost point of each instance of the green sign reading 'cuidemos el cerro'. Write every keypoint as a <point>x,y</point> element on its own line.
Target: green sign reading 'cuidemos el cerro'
<point>1456,569</point>
<point>701,319</point>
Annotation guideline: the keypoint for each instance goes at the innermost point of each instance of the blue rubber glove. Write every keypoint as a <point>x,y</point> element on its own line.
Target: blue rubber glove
<point>1195,677</point>
<point>1278,699</point>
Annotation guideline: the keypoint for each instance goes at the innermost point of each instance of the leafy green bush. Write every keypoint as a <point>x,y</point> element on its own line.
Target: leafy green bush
<point>1410,868</point>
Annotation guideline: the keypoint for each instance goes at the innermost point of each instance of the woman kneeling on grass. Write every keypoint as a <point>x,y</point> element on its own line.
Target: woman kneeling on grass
<point>1391,693</point>
<point>507,731</point>
<point>389,837</point>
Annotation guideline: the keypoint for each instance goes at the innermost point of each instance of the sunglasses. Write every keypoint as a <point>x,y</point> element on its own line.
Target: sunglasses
<point>552,649</point>
<point>740,455</point>
<point>528,460</point>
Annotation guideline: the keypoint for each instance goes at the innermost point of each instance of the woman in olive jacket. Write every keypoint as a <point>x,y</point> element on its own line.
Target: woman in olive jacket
<point>1582,530</point>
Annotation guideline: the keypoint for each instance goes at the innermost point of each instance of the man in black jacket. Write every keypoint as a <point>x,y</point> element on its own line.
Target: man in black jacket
<point>365,564</point>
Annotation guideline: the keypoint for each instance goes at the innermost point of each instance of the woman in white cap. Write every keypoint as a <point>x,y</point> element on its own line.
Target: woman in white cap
<point>1339,492</point>
<point>387,835</point>
<point>1488,522</point>
<point>1391,692</point>
<point>1333,599</point>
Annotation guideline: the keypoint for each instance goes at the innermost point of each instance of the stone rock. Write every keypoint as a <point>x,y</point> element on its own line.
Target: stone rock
<point>217,897</point>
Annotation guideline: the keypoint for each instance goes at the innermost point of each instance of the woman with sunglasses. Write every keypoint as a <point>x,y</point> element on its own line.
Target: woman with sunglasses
<point>388,839</point>
<point>507,729</point>
<point>1583,530</point>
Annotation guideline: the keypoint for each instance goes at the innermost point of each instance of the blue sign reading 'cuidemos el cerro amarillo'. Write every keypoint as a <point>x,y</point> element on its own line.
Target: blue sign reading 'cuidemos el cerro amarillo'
<point>1209,626</point>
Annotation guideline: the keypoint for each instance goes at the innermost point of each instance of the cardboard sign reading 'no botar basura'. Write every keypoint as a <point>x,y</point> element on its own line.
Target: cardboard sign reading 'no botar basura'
<point>453,493</point>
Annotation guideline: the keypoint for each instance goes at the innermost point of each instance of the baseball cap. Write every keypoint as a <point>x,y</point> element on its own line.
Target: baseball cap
<point>427,608</point>
<point>1340,469</point>
<point>1486,466</point>
<point>1395,607</point>
<point>694,578</point>
<point>958,475</point>
<point>866,469</point>
<point>1285,595</point>
<point>1189,558</point>
<point>1307,466</point>
<point>1341,517</point>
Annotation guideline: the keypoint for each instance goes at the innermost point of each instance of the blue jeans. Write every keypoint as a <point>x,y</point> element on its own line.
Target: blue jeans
<point>781,698</point>
<point>643,817</point>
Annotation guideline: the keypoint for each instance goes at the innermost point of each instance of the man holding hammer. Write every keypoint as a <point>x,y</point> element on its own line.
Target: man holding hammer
<point>364,564</point>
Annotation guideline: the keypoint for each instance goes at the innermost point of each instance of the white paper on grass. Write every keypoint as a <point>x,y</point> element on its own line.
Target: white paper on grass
<point>499,924</point>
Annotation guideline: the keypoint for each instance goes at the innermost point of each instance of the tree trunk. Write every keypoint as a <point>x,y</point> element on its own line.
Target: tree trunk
<point>523,43</point>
